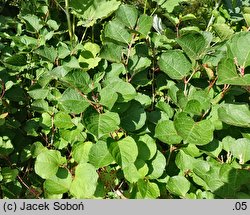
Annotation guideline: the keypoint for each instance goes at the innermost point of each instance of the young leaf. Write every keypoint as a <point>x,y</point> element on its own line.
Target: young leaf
<point>223,30</point>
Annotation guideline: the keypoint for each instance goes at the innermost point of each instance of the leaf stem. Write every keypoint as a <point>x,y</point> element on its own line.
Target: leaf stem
<point>128,55</point>
<point>84,33</point>
<point>187,81</point>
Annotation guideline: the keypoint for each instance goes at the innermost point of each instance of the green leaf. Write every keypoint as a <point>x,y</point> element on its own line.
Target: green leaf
<point>235,114</point>
<point>48,162</point>
<point>184,161</point>
<point>239,148</point>
<point>146,147</point>
<point>48,53</point>
<point>79,80</point>
<point>99,155</point>
<point>174,64</point>
<point>137,64</point>
<point>8,174</point>
<point>53,24</point>
<point>36,148</point>
<point>212,149</point>
<point>80,151</point>
<point>145,100</point>
<point>40,105</point>
<point>223,180</point>
<point>115,31</point>
<point>6,146</point>
<point>162,105</point>
<point>33,22</point>
<point>223,31</point>
<point>63,120</point>
<point>124,151</point>
<point>127,15</point>
<point>168,5</point>
<point>144,25</point>
<point>134,117</point>
<point>228,74</point>
<point>239,46</point>
<point>39,93</point>
<point>166,132</point>
<point>58,72</point>
<point>147,190</point>
<point>17,60</point>
<point>178,185</point>
<point>73,102</point>
<point>100,124</point>
<point>156,166</point>
<point>193,44</point>
<point>71,63</point>
<point>125,90</point>
<point>111,52</point>
<point>193,132</point>
<point>85,182</point>
<point>59,183</point>
<point>88,58</point>
<point>91,10</point>
<point>108,97</point>
<point>132,174</point>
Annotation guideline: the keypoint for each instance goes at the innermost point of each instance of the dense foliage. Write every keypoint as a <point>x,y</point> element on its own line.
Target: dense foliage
<point>124,99</point>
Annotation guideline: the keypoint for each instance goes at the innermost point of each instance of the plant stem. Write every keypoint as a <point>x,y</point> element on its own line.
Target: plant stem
<point>145,6</point>
<point>93,34</point>
<point>217,4</point>
<point>68,21</point>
